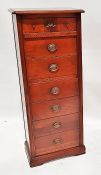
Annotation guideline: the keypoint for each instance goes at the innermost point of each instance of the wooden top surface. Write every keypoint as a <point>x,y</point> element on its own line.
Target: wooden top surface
<point>45,11</point>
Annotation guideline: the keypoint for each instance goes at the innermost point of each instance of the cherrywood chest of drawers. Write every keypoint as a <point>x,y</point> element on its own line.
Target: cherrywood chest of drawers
<point>49,59</point>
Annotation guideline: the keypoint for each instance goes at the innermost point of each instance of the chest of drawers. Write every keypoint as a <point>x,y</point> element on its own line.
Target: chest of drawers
<point>49,59</point>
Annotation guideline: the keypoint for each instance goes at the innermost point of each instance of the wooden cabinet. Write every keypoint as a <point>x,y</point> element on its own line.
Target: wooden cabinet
<point>49,59</point>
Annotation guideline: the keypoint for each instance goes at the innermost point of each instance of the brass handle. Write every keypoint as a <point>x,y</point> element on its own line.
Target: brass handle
<point>53,67</point>
<point>55,90</point>
<point>57,141</point>
<point>57,125</point>
<point>56,108</point>
<point>52,47</point>
<point>50,25</point>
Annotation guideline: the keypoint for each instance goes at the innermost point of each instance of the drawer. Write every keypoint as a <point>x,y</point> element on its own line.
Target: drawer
<point>51,47</point>
<point>52,108</point>
<point>41,25</point>
<point>50,67</point>
<point>56,142</point>
<point>56,124</point>
<point>48,89</point>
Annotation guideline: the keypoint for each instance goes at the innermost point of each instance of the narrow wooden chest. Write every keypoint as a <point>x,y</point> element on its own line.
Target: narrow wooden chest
<point>49,59</point>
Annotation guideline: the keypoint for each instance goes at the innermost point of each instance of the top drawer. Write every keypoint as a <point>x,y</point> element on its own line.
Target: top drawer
<point>41,25</point>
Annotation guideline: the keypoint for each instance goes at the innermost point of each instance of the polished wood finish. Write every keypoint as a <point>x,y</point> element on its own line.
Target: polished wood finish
<point>43,110</point>
<point>64,45</point>
<point>49,59</point>
<point>38,25</point>
<point>56,124</point>
<point>40,67</point>
<point>43,89</point>
<point>50,34</point>
<point>46,11</point>
<point>40,159</point>
<point>57,141</point>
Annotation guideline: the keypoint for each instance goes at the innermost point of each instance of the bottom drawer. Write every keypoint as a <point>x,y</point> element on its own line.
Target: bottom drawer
<point>56,142</point>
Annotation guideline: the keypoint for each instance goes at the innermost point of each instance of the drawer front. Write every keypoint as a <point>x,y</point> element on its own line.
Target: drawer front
<point>54,108</point>
<point>56,142</point>
<point>57,88</point>
<point>43,48</point>
<point>40,25</point>
<point>56,124</point>
<point>44,68</point>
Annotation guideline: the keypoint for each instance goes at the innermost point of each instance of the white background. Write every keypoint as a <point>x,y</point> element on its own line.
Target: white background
<point>13,160</point>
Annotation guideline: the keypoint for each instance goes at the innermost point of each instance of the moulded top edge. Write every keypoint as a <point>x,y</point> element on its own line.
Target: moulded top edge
<point>45,11</point>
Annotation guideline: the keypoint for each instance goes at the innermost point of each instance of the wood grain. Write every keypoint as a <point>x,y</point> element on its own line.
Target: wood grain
<point>40,67</point>
<point>41,25</point>
<point>43,110</point>
<point>56,124</point>
<point>46,144</point>
<point>39,47</point>
<point>42,91</point>
<point>49,35</point>
<point>41,11</point>
<point>53,122</point>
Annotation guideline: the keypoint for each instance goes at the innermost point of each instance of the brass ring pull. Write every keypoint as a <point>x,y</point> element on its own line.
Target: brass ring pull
<point>56,108</point>
<point>57,141</point>
<point>53,67</point>
<point>52,47</point>
<point>57,125</point>
<point>55,90</point>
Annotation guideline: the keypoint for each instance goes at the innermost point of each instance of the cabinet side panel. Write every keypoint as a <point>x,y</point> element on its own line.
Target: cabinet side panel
<point>79,44</point>
<point>18,56</point>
